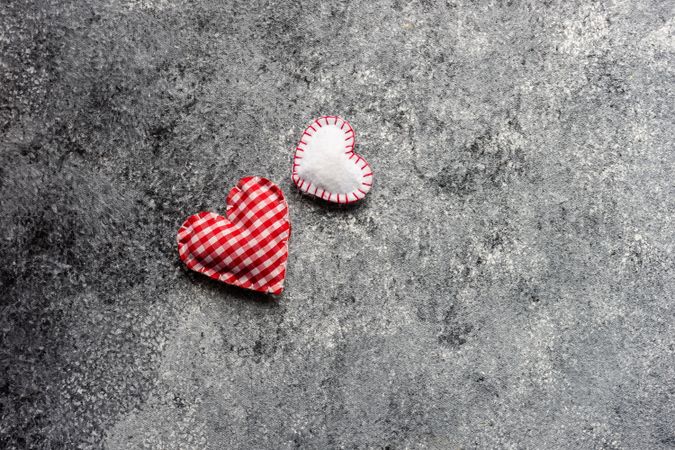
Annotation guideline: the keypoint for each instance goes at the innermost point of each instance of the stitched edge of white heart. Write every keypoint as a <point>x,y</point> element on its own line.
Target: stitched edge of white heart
<point>350,141</point>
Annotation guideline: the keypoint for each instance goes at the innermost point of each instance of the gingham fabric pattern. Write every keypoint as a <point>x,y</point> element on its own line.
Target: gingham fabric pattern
<point>249,248</point>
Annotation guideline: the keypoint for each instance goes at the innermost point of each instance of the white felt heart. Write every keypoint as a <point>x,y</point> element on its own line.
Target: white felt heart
<point>325,164</point>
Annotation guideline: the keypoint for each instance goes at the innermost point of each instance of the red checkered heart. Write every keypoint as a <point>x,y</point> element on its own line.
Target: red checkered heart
<point>249,248</point>
<point>325,164</point>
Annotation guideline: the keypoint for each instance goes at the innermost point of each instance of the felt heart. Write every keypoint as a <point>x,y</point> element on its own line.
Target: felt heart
<point>249,248</point>
<point>325,164</point>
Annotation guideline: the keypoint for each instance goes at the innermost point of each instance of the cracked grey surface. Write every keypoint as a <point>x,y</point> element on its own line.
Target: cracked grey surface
<point>507,284</point>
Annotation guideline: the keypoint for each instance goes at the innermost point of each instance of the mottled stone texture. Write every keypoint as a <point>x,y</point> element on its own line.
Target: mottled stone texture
<point>509,283</point>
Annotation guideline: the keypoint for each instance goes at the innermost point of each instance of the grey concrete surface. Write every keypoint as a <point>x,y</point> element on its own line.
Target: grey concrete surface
<point>509,283</point>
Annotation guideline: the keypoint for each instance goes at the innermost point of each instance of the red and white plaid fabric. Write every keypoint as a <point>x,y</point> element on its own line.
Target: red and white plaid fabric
<point>249,248</point>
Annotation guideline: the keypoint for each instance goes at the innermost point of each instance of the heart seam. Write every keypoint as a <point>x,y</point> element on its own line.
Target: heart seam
<point>248,247</point>
<point>350,141</point>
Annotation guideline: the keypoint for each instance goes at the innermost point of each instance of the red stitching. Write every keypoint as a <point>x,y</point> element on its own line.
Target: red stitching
<point>350,137</point>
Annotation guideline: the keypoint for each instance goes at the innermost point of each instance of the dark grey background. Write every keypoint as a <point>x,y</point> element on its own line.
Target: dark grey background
<point>507,284</point>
